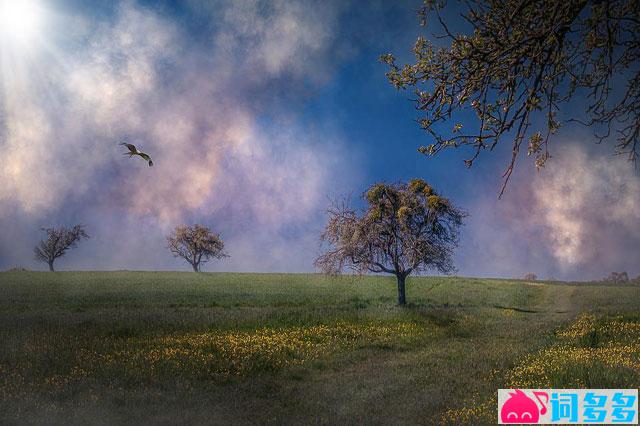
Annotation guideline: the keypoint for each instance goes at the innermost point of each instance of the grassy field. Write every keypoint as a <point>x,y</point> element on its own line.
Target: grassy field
<point>186,348</point>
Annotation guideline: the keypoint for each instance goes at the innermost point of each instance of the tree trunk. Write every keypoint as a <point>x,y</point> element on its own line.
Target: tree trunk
<point>401,294</point>
<point>51,266</point>
<point>195,267</point>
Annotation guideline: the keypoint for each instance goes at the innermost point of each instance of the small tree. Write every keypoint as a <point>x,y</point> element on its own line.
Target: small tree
<point>406,228</point>
<point>617,278</point>
<point>530,277</point>
<point>196,244</point>
<point>57,243</point>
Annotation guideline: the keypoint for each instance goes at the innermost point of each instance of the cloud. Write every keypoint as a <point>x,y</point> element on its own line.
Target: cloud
<point>279,37</point>
<point>589,208</point>
<point>575,219</point>
<point>223,154</point>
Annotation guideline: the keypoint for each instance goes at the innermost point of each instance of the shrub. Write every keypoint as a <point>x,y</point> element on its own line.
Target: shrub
<point>617,278</point>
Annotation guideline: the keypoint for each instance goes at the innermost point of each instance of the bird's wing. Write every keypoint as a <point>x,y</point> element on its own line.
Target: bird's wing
<point>131,147</point>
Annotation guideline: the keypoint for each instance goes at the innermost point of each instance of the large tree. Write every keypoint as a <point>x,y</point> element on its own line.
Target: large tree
<point>515,64</point>
<point>196,244</point>
<point>58,241</point>
<point>406,228</point>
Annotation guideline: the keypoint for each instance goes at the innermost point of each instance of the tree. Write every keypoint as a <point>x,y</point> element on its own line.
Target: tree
<point>196,244</point>
<point>521,61</point>
<point>58,241</point>
<point>406,228</point>
<point>617,278</point>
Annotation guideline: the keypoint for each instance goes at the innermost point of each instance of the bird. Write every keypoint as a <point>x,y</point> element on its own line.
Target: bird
<point>134,151</point>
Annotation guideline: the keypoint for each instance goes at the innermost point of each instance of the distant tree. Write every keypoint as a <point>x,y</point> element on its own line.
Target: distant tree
<point>524,59</point>
<point>617,278</point>
<point>58,241</point>
<point>406,228</point>
<point>530,277</point>
<point>196,244</point>
<point>17,269</point>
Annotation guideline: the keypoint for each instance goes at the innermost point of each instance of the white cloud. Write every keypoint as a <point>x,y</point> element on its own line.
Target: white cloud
<point>587,206</point>
<point>278,37</point>
<point>575,219</point>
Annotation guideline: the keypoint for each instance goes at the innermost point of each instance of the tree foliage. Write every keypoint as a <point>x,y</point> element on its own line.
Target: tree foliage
<point>407,228</point>
<point>520,62</point>
<point>58,241</point>
<point>196,244</point>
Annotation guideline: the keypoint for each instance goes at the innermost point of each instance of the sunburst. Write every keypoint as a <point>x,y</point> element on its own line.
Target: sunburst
<point>19,20</point>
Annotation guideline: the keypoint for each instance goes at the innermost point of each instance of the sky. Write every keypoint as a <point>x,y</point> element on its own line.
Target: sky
<point>257,115</point>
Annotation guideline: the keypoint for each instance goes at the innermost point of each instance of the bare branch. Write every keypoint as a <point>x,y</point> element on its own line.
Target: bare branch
<point>196,244</point>
<point>522,61</point>
<point>58,241</point>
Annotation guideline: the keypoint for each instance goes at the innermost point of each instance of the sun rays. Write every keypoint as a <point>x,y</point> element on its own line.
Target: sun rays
<point>20,20</point>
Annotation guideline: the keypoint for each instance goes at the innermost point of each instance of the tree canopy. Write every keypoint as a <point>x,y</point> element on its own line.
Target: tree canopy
<point>406,228</point>
<point>520,62</point>
<point>196,244</point>
<point>58,241</point>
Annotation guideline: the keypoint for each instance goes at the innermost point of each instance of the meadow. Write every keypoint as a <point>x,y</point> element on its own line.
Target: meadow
<point>205,348</point>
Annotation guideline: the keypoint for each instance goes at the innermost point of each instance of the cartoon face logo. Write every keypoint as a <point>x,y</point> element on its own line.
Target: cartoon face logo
<point>519,408</point>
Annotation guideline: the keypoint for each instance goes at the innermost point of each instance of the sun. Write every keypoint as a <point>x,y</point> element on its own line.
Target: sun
<point>19,19</point>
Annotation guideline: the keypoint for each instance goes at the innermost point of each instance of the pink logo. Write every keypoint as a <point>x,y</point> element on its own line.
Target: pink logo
<point>519,408</point>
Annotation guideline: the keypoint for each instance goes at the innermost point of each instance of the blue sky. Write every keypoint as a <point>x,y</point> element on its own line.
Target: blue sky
<point>257,114</point>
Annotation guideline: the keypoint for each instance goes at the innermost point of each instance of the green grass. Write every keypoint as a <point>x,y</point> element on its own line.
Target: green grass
<point>165,347</point>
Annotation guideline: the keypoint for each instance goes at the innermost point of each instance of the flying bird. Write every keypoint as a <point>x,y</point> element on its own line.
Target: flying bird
<point>134,151</point>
